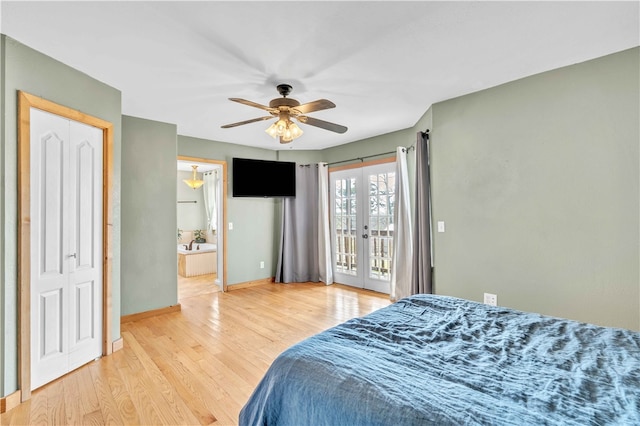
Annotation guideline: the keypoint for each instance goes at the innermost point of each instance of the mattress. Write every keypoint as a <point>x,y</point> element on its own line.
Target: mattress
<point>441,360</point>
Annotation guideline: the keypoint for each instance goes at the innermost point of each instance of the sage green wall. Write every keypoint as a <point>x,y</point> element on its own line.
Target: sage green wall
<point>28,70</point>
<point>370,147</point>
<point>301,156</point>
<point>537,181</point>
<point>149,259</point>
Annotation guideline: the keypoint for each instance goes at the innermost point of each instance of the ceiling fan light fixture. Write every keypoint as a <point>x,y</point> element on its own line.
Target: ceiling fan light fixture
<point>281,127</point>
<point>284,129</point>
<point>296,131</point>
<point>287,136</point>
<point>272,131</point>
<point>194,183</point>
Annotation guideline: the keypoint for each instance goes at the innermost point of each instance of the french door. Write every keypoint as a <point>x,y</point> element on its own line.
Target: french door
<point>66,245</point>
<point>363,202</point>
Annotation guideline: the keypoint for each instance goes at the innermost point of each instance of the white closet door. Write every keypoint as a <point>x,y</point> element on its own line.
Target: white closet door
<point>85,241</point>
<point>49,247</point>
<point>66,245</point>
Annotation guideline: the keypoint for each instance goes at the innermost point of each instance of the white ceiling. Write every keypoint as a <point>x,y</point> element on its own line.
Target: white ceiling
<point>383,63</point>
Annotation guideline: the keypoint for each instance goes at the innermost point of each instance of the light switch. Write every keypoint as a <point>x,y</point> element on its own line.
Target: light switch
<point>230,226</point>
<point>441,226</point>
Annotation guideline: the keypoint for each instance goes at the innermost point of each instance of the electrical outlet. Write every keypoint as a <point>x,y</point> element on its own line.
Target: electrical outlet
<point>262,265</point>
<point>441,226</point>
<point>491,299</point>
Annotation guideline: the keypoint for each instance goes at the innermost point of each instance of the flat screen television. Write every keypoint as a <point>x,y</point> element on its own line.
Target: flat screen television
<point>263,178</point>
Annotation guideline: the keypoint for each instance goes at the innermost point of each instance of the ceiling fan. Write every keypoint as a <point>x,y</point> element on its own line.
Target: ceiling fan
<point>285,109</point>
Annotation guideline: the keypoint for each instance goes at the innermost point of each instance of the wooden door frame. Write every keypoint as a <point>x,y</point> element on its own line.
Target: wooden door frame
<point>222,164</point>
<point>25,102</point>
<point>361,165</point>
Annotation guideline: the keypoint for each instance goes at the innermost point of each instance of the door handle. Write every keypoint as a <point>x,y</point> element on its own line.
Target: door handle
<point>365,236</point>
<point>72,255</point>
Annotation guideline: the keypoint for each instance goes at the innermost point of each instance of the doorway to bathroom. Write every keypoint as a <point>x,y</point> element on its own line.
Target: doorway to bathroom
<point>201,237</point>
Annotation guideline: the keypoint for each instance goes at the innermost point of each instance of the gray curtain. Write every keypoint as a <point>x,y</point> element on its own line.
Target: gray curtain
<point>421,277</point>
<point>298,254</point>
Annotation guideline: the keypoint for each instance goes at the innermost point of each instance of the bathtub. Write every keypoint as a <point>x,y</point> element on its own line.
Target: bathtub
<point>202,259</point>
<point>196,248</point>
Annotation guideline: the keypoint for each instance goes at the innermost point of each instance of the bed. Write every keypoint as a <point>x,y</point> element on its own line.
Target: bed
<point>441,360</point>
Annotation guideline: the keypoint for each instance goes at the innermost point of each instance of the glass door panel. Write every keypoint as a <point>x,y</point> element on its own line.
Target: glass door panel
<point>344,219</point>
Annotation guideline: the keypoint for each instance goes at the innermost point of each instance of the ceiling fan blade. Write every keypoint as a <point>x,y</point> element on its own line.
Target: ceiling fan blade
<point>318,105</point>
<point>322,124</point>
<point>250,103</point>
<point>240,123</point>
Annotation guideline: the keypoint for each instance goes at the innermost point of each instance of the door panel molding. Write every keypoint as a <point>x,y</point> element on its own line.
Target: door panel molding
<point>25,102</point>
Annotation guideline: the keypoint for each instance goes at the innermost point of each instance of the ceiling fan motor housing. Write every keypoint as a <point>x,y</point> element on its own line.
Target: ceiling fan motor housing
<point>284,89</point>
<point>283,102</point>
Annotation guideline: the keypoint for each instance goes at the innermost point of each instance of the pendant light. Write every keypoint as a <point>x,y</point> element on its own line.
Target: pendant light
<point>194,183</point>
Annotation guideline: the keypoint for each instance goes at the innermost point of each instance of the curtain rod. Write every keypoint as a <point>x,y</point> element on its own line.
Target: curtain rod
<point>370,156</point>
<point>353,159</point>
<point>426,133</point>
<point>362,158</point>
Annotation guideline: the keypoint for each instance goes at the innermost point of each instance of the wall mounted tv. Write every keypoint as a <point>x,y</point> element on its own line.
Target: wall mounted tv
<point>263,178</point>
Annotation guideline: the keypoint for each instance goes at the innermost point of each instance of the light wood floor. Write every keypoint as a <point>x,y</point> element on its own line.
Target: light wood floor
<point>195,286</point>
<point>197,366</point>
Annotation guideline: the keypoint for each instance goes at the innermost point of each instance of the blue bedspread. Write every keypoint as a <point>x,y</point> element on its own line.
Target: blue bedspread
<point>446,361</point>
